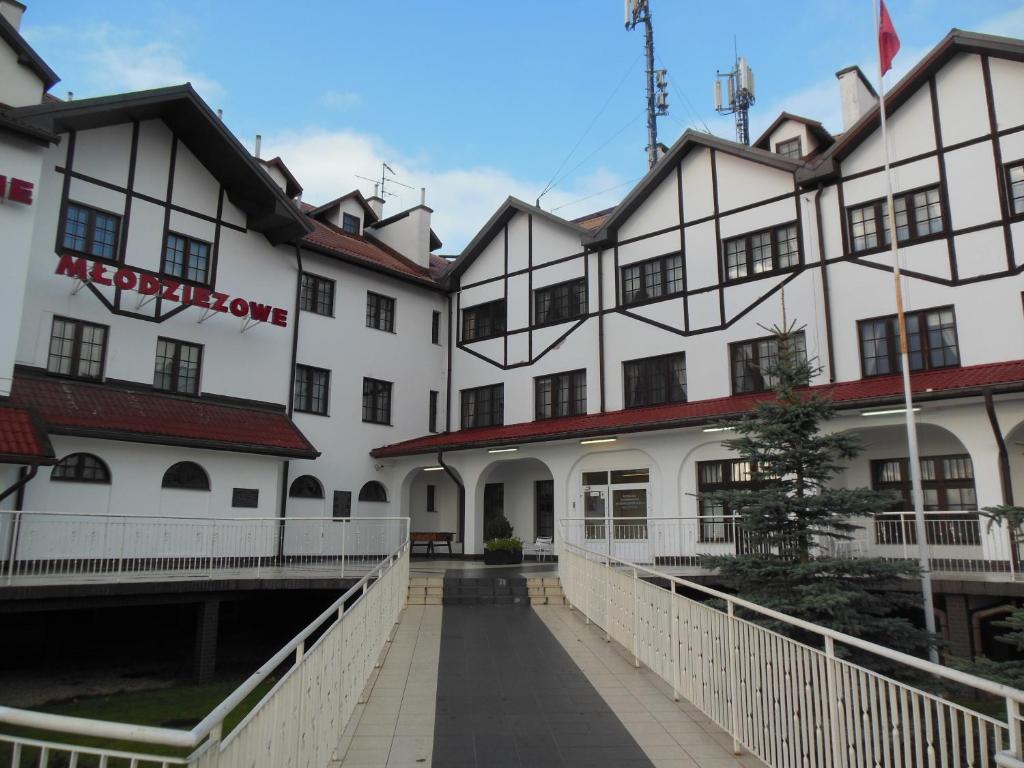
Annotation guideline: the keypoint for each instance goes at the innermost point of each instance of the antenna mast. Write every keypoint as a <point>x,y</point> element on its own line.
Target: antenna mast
<point>639,12</point>
<point>740,84</point>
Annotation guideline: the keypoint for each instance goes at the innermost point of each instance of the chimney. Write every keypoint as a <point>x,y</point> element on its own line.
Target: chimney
<point>856,93</point>
<point>408,234</point>
<point>376,202</point>
<point>256,152</point>
<point>12,11</point>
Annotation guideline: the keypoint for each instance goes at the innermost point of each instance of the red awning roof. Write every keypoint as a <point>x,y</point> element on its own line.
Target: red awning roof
<point>117,413</point>
<point>22,438</point>
<point>864,392</point>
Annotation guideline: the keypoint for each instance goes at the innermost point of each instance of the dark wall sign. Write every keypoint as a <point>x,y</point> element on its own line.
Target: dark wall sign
<point>342,504</point>
<point>16,190</point>
<point>245,497</point>
<point>168,289</point>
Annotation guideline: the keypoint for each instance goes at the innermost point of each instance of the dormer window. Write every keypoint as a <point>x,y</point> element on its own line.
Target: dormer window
<point>790,148</point>
<point>350,223</point>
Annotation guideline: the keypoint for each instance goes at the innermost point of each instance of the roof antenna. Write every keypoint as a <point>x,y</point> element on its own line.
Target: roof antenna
<point>740,82</point>
<point>639,12</point>
<point>71,96</point>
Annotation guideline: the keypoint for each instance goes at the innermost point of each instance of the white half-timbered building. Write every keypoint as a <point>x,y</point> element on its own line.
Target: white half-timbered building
<point>183,335</point>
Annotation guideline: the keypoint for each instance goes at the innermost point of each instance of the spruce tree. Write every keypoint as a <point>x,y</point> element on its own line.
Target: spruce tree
<point>790,518</point>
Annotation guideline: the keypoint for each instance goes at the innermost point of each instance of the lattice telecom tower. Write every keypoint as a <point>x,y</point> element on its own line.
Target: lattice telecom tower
<point>639,12</point>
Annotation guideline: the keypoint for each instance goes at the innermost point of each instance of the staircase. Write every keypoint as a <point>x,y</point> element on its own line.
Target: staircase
<point>489,590</point>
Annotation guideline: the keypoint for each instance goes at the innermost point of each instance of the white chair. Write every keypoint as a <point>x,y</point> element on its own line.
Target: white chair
<point>543,547</point>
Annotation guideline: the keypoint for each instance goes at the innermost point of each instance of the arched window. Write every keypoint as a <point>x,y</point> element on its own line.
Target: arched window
<point>81,468</point>
<point>186,474</point>
<point>373,491</point>
<point>306,487</point>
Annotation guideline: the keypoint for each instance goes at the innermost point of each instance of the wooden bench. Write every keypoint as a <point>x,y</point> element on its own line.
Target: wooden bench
<point>429,538</point>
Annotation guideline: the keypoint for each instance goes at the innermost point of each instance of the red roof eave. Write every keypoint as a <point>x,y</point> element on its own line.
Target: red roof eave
<point>954,382</point>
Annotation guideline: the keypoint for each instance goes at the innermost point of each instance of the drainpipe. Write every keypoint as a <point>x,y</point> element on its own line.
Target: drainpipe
<point>17,487</point>
<point>291,401</point>
<point>21,482</point>
<point>1004,472</point>
<point>462,497</point>
<point>824,285</point>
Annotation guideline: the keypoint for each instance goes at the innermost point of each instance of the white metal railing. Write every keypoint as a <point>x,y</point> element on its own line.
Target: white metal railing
<point>297,722</point>
<point>786,702</point>
<point>959,542</point>
<point>58,546</point>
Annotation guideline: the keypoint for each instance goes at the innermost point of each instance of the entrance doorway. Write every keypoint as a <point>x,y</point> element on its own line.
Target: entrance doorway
<point>494,504</point>
<point>544,508</point>
<point>616,505</point>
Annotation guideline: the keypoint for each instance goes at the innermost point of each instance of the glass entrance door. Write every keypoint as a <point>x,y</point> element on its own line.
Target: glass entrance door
<point>624,519</point>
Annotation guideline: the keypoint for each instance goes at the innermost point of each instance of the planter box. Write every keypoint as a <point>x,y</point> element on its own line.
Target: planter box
<point>503,557</point>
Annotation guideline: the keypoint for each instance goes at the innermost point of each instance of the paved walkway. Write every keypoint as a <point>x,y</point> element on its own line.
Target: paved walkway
<point>503,686</point>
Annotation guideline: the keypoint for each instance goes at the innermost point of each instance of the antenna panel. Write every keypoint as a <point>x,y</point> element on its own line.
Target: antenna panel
<point>718,94</point>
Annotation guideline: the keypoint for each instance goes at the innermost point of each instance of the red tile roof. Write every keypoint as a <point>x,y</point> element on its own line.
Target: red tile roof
<point>116,413</point>
<point>22,438</point>
<point>593,221</point>
<point>864,392</point>
<point>333,240</point>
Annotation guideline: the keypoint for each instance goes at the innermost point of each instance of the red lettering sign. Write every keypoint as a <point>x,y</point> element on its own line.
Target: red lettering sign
<point>16,190</point>
<point>127,279</point>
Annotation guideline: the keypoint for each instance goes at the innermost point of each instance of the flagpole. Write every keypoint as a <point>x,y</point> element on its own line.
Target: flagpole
<point>914,457</point>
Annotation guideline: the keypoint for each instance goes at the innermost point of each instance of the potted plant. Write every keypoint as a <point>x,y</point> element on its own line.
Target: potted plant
<point>500,546</point>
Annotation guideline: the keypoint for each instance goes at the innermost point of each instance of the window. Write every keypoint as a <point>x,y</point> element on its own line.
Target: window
<point>76,348</point>
<point>918,215</point>
<point>931,342</point>
<point>560,394</point>
<point>790,148</point>
<point>316,294</point>
<point>654,380</point>
<point>187,475</point>
<point>186,258</point>
<point>1015,182</point>
<point>435,327</point>
<point>948,486</point>
<point>177,366</point>
<point>380,312</point>
<point>484,321</point>
<point>651,280</point>
<point>312,389</point>
<point>306,487</point>
<point>90,231</point>
<point>753,362</point>
<point>373,491</point>
<point>717,524</point>
<point>377,401</point>
<point>80,468</point>
<point>763,252</point>
<point>431,498</point>
<point>561,302</point>
<point>350,223</point>
<point>483,406</point>
<point>544,508</point>
<point>432,422</point>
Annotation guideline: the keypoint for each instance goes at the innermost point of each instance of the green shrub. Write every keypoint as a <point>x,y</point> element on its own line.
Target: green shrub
<point>498,528</point>
<point>506,544</point>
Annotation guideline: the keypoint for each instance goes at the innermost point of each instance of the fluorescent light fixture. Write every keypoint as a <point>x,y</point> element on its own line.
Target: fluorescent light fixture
<point>596,440</point>
<point>719,429</point>
<point>502,450</point>
<point>888,412</point>
<point>433,469</point>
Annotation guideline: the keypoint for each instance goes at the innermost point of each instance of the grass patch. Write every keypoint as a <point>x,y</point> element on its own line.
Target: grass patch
<point>179,707</point>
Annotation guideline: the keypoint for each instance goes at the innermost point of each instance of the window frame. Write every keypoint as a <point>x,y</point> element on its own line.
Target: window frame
<point>202,469</point>
<point>372,486</point>
<point>374,407</point>
<point>575,407</point>
<point>728,519</point>
<point>550,292</point>
<point>374,297</point>
<point>496,410</point>
<point>346,218</point>
<point>1008,169</point>
<point>431,497</point>
<point>433,409</point>
<point>799,148</point>
<point>309,394</point>
<point>489,310</point>
<point>758,373</point>
<point>318,282</point>
<point>435,327</point>
<point>77,474</point>
<point>666,361</point>
<point>893,341</point>
<point>879,206</point>
<point>175,366</point>
<point>76,349</point>
<point>189,240</point>
<point>663,272</point>
<point>92,210</point>
<point>318,486</point>
<point>748,250</point>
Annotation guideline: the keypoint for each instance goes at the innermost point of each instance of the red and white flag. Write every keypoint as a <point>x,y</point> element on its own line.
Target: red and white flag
<point>888,40</point>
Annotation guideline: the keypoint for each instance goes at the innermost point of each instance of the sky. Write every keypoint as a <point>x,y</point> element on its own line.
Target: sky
<point>476,101</point>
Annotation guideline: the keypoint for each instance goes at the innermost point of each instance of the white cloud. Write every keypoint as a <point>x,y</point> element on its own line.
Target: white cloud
<point>340,99</point>
<point>108,59</point>
<point>326,163</point>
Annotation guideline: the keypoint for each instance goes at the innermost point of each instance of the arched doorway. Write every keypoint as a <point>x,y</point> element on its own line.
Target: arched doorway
<point>522,491</point>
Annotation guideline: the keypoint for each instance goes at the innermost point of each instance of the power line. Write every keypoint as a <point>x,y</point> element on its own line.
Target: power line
<point>686,101</point>
<point>593,120</point>
<point>596,194</point>
<point>604,144</point>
